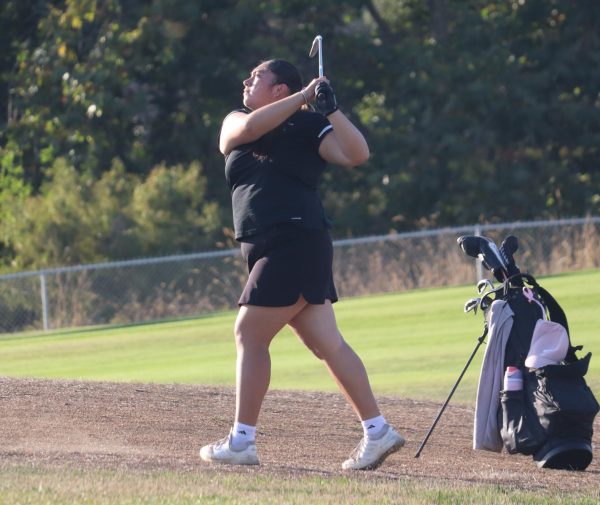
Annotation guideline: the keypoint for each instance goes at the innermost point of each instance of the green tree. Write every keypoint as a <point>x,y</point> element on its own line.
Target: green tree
<point>171,213</point>
<point>474,111</point>
<point>495,120</point>
<point>56,226</point>
<point>77,219</point>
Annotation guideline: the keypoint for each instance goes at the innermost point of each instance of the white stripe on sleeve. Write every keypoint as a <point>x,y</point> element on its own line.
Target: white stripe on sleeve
<point>326,129</point>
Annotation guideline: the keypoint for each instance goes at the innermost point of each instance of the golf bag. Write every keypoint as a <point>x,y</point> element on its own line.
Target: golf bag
<point>532,397</point>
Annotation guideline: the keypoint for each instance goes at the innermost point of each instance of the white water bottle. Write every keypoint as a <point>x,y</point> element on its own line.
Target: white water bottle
<point>513,379</point>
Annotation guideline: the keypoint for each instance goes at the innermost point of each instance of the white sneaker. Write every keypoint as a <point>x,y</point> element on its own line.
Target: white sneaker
<point>222,452</point>
<point>370,452</point>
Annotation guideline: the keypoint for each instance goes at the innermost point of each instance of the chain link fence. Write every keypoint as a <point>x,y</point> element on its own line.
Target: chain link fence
<point>190,285</point>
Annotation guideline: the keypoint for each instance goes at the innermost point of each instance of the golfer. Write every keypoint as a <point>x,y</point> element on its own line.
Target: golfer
<point>275,152</point>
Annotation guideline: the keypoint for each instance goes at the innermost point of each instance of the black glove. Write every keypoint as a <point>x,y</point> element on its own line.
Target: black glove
<point>325,102</point>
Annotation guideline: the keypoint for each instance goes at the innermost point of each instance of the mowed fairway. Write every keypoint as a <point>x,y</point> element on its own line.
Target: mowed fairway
<point>414,344</point>
<point>86,438</point>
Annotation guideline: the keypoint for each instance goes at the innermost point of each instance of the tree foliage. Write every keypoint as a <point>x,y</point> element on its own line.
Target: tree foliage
<point>76,218</point>
<point>110,111</point>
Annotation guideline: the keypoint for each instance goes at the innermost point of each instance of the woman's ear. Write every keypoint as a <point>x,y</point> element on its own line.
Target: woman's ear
<point>280,90</point>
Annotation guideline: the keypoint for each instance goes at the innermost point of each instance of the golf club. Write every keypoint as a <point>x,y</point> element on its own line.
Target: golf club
<point>317,46</point>
<point>486,301</point>
<point>483,284</point>
<point>509,246</point>
<point>493,260</point>
<point>484,249</point>
<point>471,305</point>
<point>470,245</point>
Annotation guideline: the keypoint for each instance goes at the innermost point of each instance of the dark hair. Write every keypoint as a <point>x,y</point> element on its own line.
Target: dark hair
<point>286,73</point>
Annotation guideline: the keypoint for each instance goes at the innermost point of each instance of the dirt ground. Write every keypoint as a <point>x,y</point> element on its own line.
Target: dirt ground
<point>148,426</point>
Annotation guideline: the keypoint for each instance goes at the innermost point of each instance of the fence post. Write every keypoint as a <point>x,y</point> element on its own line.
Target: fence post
<point>478,262</point>
<point>44,294</point>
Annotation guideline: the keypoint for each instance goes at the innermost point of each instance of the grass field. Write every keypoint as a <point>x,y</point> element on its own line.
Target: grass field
<point>414,344</point>
<point>30,486</point>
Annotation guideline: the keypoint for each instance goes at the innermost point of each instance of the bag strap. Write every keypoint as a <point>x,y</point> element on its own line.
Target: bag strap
<point>557,314</point>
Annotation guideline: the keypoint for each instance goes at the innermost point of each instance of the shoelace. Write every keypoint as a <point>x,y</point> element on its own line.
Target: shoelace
<point>220,443</point>
<point>359,449</point>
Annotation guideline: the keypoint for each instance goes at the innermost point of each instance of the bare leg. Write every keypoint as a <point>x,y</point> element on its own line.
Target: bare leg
<point>317,328</point>
<point>255,328</point>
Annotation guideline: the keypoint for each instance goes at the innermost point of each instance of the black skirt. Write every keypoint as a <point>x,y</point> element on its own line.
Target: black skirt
<point>285,262</point>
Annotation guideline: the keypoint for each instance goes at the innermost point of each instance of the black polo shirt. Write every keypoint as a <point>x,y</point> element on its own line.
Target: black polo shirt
<point>274,179</point>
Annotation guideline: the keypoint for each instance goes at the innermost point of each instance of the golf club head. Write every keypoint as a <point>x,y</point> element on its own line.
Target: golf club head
<point>486,302</point>
<point>470,245</point>
<point>315,46</point>
<point>484,249</point>
<point>471,305</point>
<point>509,246</point>
<point>483,284</point>
<point>492,259</point>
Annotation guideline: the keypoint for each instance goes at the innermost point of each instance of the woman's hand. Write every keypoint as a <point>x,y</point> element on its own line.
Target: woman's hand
<point>240,128</point>
<point>345,145</point>
<point>309,90</point>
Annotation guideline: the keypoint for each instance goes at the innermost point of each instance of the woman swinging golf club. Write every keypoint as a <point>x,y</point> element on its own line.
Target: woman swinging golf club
<point>274,156</point>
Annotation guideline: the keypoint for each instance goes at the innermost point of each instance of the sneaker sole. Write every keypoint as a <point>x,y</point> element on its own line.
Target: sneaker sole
<point>394,448</point>
<point>208,459</point>
<point>221,462</point>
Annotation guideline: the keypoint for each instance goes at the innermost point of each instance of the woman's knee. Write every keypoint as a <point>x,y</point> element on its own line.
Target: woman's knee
<point>247,336</point>
<point>325,349</point>
<point>315,350</point>
<point>242,336</point>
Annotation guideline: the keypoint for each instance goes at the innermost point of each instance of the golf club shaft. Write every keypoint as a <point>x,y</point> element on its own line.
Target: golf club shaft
<point>320,57</point>
<point>479,342</point>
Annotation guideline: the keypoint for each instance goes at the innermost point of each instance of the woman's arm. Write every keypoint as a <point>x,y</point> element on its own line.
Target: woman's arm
<point>345,145</point>
<point>240,128</point>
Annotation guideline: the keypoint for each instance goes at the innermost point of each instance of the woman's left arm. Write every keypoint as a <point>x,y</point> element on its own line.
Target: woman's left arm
<point>345,145</point>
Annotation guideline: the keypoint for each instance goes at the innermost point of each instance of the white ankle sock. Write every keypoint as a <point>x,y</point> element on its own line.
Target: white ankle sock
<point>373,426</point>
<point>241,434</point>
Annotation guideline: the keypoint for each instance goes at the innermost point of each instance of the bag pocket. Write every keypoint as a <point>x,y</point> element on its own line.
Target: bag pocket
<point>519,427</point>
<point>565,405</point>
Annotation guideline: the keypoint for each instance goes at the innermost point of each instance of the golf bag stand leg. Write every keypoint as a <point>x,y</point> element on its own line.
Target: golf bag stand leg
<point>479,342</point>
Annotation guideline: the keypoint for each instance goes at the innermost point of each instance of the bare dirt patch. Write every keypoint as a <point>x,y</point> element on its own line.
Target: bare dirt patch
<point>149,426</point>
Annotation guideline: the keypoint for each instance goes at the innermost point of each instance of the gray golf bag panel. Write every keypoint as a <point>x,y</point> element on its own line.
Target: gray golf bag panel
<point>552,417</point>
